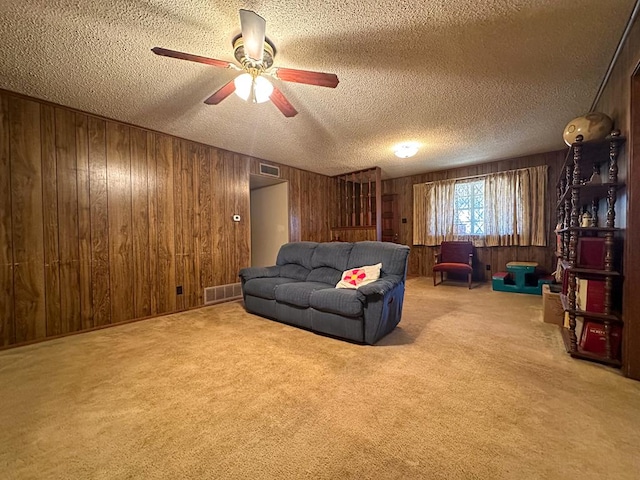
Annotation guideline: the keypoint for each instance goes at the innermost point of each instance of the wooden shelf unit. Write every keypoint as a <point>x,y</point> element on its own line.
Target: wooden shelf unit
<point>359,206</point>
<point>613,318</point>
<point>584,355</point>
<point>576,193</point>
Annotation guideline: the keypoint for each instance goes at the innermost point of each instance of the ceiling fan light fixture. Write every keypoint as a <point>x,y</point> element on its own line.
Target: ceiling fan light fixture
<point>405,150</point>
<point>243,85</point>
<point>256,90</point>
<point>262,89</point>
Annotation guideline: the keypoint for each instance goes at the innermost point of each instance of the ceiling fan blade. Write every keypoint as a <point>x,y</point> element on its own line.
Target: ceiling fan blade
<point>192,58</point>
<point>253,28</point>
<point>304,76</point>
<point>221,94</point>
<point>282,103</point>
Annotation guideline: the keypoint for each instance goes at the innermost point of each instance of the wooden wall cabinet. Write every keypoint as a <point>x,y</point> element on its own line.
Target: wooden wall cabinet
<point>588,248</point>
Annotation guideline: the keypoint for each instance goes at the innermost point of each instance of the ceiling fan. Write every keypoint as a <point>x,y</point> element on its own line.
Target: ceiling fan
<point>255,54</point>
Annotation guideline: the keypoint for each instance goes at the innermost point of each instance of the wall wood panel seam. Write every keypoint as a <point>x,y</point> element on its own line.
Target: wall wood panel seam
<point>7,321</point>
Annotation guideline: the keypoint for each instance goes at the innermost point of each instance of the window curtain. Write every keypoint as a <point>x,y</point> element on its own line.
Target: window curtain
<point>514,210</point>
<point>433,212</point>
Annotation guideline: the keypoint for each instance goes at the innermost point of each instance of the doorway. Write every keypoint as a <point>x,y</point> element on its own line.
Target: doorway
<point>390,220</point>
<point>269,216</point>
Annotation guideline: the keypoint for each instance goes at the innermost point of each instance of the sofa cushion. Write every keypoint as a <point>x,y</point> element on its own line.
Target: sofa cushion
<point>333,254</point>
<point>339,301</point>
<point>298,293</point>
<point>266,287</point>
<point>299,253</point>
<point>325,275</point>
<point>293,270</point>
<point>256,272</point>
<point>357,277</point>
<point>392,256</point>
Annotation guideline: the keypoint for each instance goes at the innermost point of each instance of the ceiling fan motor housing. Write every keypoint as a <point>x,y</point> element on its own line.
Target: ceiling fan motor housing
<point>249,63</point>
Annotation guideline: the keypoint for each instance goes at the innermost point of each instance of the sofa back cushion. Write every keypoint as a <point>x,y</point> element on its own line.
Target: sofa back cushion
<point>327,275</point>
<point>332,254</point>
<point>296,252</point>
<point>295,259</point>
<point>294,271</point>
<point>392,256</point>
<point>329,261</point>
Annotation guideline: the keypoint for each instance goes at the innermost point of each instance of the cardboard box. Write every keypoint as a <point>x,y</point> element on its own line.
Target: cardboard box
<point>551,306</point>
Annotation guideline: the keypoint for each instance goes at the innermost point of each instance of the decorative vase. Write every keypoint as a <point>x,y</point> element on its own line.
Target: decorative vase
<point>592,126</point>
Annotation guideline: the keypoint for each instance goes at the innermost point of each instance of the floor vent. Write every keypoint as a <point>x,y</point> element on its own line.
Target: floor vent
<point>269,170</point>
<point>222,293</point>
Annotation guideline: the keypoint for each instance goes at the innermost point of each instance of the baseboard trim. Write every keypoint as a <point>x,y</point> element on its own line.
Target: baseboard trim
<point>102,327</point>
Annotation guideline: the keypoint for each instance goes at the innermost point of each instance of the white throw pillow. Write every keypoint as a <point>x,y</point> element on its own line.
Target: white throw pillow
<point>356,277</point>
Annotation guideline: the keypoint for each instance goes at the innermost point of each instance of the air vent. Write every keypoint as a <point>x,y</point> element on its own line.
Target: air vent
<point>222,293</point>
<point>209,295</point>
<point>269,170</point>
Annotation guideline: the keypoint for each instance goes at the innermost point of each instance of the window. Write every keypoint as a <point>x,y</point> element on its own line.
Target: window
<point>469,208</point>
<point>498,209</point>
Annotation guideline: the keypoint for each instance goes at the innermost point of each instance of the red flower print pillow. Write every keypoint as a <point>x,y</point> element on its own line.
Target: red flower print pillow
<point>356,277</point>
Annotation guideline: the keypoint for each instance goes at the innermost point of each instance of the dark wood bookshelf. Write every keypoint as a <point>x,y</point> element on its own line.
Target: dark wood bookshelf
<point>580,216</point>
<point>612,317</point>
<point>584,355</point>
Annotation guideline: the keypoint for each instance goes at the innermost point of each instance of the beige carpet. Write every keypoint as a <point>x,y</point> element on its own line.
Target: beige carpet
<point>471,385</point>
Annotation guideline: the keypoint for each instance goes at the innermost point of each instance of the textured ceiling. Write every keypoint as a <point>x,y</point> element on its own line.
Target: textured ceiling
<point>469,80</point>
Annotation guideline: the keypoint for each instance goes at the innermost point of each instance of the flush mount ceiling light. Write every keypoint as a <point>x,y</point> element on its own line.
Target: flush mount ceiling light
<point>405,150</point>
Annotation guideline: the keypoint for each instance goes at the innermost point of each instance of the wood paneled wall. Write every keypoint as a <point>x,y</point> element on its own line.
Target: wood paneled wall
<point>100,221</point>
<point>422,257</point>
<point>354,234</point>
<point>310,201</point>
<point>621,101</point>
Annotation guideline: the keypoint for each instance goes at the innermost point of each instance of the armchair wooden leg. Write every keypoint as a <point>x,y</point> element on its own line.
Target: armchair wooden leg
<point>469,275</point>
<point>434,278</point>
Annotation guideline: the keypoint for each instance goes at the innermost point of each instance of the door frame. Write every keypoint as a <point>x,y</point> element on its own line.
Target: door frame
<point>631,299</point>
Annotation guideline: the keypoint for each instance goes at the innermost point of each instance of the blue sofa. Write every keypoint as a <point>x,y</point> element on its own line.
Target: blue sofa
<point>300,289</point>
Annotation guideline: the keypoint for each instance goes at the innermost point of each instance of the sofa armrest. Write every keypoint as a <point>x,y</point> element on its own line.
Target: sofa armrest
<point>381,287</point>
<point>259,272</point>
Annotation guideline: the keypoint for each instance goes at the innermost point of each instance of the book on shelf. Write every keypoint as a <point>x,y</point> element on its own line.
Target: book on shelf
<point>590,295</point>
<point>591,253</point>
<point>594,339</point>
